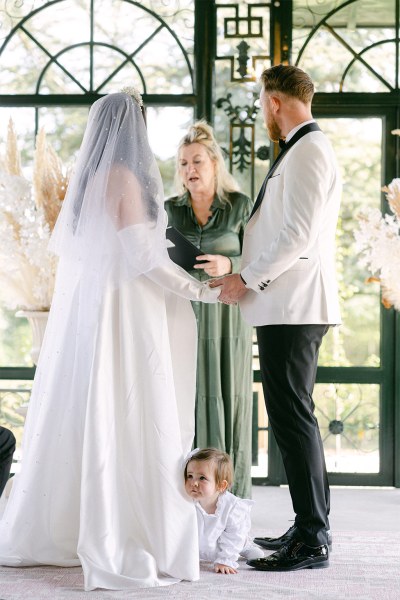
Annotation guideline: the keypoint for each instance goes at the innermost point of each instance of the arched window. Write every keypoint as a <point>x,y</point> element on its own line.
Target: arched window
<point>58,57</point>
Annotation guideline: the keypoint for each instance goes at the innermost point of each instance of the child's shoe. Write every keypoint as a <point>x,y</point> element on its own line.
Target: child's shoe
<point>251,551</point>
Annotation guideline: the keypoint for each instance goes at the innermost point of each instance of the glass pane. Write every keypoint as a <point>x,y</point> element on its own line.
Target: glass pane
<point>24,126</point>
<point>380,65</point>
<point>108,77</point>
<point>22,63</point>
<point>64,127</point>
<point>260,434</point>
<point>14,397</point>
<point>244,143</point>
<point>15,333</point>
<point>59,25</point>
<point>24,57</point>
<point>166,127</point>
<point>357,143</point>
<point>15,340</point>
<point>70,75</point>
<point>130,27</point>
<point>345,33</point>
<point>169,76</point>
<point>348,416</point>
<point>59,36</point>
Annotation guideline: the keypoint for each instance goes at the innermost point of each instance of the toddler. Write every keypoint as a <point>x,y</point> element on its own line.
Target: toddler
<point>223,519</point>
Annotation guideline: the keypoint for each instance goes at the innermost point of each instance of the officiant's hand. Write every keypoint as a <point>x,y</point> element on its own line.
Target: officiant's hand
<point>216,265</point>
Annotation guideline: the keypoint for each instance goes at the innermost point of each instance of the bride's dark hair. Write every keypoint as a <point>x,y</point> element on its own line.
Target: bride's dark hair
<point>110,119</point>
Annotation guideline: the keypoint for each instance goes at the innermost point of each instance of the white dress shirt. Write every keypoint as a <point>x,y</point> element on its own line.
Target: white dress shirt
<point>224,534</point>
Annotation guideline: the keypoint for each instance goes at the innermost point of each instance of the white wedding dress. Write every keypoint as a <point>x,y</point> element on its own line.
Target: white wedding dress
<point>101,483</point>
<point>111,415</point>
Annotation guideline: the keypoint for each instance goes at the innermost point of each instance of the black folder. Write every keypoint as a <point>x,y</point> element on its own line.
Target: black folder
<point>183,252</point>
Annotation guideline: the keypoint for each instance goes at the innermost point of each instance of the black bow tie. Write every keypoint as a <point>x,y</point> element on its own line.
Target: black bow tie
<point>282,143</point>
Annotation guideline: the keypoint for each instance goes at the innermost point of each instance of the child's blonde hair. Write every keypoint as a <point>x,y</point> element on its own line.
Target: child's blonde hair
<point>223,467</point>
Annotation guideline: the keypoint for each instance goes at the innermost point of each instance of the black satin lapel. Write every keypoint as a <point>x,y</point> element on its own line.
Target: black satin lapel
<point>297,136</point>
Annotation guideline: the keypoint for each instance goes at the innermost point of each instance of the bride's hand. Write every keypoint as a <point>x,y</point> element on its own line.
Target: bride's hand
<point>216,265</point>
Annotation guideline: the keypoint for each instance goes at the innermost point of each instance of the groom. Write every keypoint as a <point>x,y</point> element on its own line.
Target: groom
<point>287,289</point>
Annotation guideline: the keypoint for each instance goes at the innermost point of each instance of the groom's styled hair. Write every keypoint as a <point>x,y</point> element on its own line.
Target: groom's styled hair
<point>288,80</point>
<point>223,467</point>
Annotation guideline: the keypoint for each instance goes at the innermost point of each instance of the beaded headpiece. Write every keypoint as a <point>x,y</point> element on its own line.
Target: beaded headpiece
<point>131,91</point>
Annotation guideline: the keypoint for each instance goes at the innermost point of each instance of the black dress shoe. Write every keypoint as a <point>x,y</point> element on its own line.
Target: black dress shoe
<point>276,543</point>
<point>293,556</point>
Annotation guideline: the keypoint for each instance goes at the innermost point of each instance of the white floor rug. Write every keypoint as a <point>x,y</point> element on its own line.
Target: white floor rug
<point>363,566</point>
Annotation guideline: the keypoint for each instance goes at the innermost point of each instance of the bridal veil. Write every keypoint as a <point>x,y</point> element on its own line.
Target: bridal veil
<point>111,413</point>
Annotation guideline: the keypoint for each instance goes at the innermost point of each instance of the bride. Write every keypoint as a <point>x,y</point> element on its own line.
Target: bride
<point>112,408</point>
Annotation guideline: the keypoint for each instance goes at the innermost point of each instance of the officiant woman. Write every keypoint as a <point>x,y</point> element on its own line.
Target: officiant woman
<point>212,213</point>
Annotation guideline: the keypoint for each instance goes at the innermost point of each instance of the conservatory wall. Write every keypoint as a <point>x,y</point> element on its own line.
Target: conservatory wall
<point>203,58</point>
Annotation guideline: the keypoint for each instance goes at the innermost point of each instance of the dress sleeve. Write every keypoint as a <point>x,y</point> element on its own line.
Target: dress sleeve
<point>141,248</point>
<point>175,279</point>
<point>139,244</point>
<point>233,539</point>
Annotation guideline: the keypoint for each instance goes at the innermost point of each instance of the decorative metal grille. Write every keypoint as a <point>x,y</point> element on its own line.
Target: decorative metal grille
<point>236,66</point>
<point>244,26</point>
<point>348,416</point>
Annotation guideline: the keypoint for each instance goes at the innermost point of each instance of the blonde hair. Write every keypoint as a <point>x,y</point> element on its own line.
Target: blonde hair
<point>223,467</point>
<point>202,133</point>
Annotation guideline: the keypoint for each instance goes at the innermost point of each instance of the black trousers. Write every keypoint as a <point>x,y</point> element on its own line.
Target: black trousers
<point>288,362</point>
<point>7,447</point>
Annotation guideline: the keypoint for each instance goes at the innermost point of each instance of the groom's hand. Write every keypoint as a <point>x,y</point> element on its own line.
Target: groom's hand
<point>232,288</point>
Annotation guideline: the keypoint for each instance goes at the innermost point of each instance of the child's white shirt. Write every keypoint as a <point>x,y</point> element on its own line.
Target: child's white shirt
<point>224,534</point>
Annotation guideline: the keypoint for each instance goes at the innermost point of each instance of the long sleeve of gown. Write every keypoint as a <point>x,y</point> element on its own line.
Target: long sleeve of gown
<point>171,277</point>
<point>178,288</point>
<point>139,251</point>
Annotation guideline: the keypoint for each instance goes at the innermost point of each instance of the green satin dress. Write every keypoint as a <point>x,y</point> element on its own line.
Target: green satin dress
<point>224,364</point>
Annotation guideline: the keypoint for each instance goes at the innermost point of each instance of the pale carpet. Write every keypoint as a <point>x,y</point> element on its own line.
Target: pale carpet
<point>363,565</point>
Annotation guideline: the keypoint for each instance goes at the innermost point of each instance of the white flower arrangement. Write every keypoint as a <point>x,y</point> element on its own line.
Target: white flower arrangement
<point>28,211</point>
<point>132,91</point>
<point>378,239</point>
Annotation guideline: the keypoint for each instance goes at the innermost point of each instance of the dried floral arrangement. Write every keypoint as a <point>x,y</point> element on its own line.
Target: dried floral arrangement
<point>28,212</point>
<point>378,239</point>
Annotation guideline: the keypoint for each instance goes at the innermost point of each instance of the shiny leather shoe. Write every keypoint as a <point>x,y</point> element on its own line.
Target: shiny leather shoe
<point>293,556</point>
<point>276,543</point>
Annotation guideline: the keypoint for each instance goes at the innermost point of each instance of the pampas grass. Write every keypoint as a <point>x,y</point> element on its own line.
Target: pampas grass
<point>49,181</point>
<point>28,212</point>
<point>13,159</point>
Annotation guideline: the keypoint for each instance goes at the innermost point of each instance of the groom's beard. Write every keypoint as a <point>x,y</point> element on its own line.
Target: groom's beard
<point>274,131</point>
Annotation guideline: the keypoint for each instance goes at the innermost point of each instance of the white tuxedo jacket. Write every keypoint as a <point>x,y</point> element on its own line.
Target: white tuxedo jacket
<point>288,256</point>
